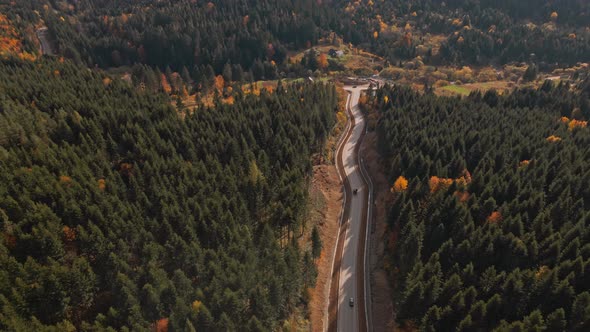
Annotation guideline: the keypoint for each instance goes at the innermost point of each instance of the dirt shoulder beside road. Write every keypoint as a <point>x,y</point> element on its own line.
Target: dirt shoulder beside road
<point>327,183</point>
<point>325,179</point>
<point>382,304</point>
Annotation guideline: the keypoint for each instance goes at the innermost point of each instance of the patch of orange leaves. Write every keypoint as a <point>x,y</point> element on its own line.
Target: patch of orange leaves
<point>462,196</point>
<point>126,169</point>
<point>69,234</point>
<point>553,138</point>
<point>435,183</point>
<point>229,100</point>
<point>162,325</point>
<point>543,270</point>
<point>399,185</point>
<point>524,163</point>
<point>219,83</point>
<point>465,178</point>
<point>495,217</point>
<point>65,179</point>
<point>102,184</point>
<point>165,85</point>
<point>10,40</point>
<point>577,124</point>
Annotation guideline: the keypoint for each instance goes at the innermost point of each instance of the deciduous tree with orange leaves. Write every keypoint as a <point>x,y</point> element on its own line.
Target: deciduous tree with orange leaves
<point>165,85</point>
<point>495,217</point>
<point>323,61</point>
<point>577,124</point>
<point>399,185</point>
<point>435,183</point>
<point>219,83</point>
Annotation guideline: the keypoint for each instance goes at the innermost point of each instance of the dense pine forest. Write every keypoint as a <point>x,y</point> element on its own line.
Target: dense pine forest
<point>118,211</point>
<point>489,226</point>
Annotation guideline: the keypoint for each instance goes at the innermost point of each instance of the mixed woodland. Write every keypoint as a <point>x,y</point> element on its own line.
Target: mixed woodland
<point>488,229</point>
<point>473,32</point>
<point>119,211</point>
<point>256,37</point>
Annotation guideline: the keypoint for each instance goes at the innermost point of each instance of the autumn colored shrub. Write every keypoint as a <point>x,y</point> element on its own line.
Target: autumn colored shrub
<point>494,218</point>
<point>399,185</point>
<point>436,184</point>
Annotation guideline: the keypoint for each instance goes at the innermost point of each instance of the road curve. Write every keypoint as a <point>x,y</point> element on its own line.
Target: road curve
<point>349,264</point>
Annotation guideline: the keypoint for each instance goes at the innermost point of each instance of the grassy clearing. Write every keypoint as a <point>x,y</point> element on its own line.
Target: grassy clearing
<point>466,89</point>
<point>457,89</point>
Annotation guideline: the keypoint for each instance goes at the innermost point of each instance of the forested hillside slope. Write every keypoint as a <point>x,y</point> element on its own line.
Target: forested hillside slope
<point>117,211</point>
<point>189,34</point>
<point>256,36</point>
<point>490,230</point>
<point>473,32</point>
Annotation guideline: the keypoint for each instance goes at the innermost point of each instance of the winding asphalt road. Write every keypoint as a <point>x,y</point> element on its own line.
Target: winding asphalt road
<point>349,266</point>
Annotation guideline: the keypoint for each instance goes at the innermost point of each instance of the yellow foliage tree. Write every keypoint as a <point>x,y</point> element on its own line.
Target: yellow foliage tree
<point>197,306</point>
<point>399,185</point>
<point>524,163</point>
<point>435,183</point>
<point>577,124</point>
<point>219,82</point>
<point>554,16</point>
<point>102,184</point>
<point>376,34</point>
<point>553,138</point>
<point>165,85</point>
